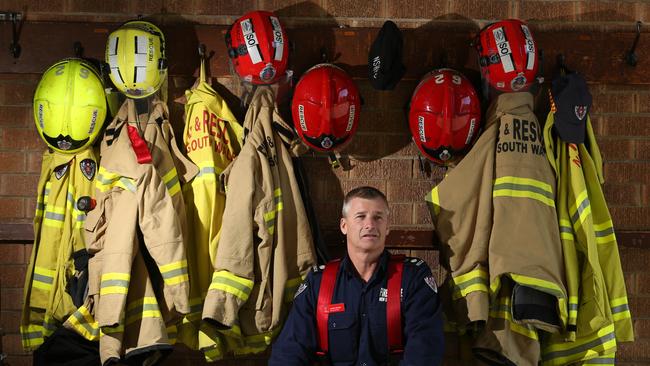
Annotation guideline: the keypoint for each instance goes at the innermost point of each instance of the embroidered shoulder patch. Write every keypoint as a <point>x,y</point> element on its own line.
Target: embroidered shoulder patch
<point>88,168</point>
<point>300,290</point>
<point>60,171</point>
<point>431,282</point>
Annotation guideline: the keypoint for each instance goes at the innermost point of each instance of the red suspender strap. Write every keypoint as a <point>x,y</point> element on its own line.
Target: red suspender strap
<point>393,304</point>
<point>327,283</point>
<point>139,145</point>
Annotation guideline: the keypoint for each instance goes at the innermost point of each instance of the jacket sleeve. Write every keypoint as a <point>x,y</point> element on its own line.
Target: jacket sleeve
<point>161,229</point>
<point>232,280</point>
<point>296,345</point>
<point>424,341</point>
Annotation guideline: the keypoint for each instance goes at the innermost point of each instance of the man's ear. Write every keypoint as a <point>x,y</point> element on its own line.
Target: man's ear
<point>344,226</point>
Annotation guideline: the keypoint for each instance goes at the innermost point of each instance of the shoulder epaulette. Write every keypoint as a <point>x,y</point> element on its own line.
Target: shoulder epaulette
<point>414,261</point>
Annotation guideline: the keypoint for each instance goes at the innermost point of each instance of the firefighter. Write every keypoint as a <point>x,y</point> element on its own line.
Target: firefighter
<point>348,313</point>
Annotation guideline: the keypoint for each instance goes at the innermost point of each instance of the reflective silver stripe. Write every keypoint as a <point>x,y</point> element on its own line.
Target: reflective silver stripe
<point>251,40</point>
<point>565,229</point>
<point>601,361</point>
<point>112,58</point>
<point>55,216</point>
<point>583,205</point>
<point>128,184</point>
<point>573,306</point>
<point>44,279</point>
<point>138,310</point>
<point>278,40</point>
<point>207,170</point>
<point>605,232</point>
<point>174,272</point>
<point>620,309</point>
<point>118,283</point>
<point>524,188</point>
<point>82,321</point>
<point>172,182</point>
<point>530,48</point>
<point>581,348</point>
<point>465,284</point>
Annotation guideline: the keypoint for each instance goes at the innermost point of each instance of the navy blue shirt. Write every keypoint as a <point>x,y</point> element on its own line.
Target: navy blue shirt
<point>358,335</point>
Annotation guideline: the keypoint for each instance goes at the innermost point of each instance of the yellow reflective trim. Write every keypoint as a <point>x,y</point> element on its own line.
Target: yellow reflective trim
<point>523,194</point>
<point>171,181</point>
<point>277,192</point>
<point>539,284</point>
<point>604,226</point>
<point>177,279</point>
<point>42,286</point>
<point>606,239</point>
<point>566,236</point>
<point>622,315</point>
<point>618,301</point>
<point>112,330</point>
<point>517,328</point>
<point>479,272</point>
<point>148,300</point>
<point>524,188</point>
<point>227,282</point>
<point>581,203</point>
<point>525,181</point>
<point>44,271</point>
<point>111,290</point>
<point>601,333</point>
<point>174,265</point>
<point>434,200</point>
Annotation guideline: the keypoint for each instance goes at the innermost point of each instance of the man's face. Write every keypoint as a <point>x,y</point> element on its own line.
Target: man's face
<point>366,224</point>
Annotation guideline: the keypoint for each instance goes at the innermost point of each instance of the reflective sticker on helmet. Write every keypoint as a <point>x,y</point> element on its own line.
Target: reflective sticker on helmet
<point>277,38</point>
<point>530,48</point>
<point>503,46</point>
<point>518,82</point>
<point>301,117</point>
<point>326,142</point>
<point>423,137</point>
<point>267,73</point>
<point>142,44</point>
<point>93,121</point>
<point>350,118</point>
<point>445,155</point>
<point>252,44</point>
<point>470,133</point>
<point>63,144</point>
<point>113,42</point>
<point>40,116</point>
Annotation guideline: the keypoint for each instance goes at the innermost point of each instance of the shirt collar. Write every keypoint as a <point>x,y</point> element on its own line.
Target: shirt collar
<point>348,268</point>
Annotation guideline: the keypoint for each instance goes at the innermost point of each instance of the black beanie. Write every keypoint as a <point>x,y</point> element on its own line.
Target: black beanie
<point>385,65</point>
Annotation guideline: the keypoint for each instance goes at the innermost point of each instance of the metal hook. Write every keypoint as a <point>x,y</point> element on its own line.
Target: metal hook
<point>14,47</point>
<point>78,49</point>
<point>630,56</point>
<point>201,51</point>
<point>323,55</point>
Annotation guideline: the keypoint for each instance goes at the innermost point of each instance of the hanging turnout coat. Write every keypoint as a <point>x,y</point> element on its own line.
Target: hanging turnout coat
<point>599,315</point>
<point>52,277</point>
<point>495,214</point>
<point>265,248</point>
<point>212,139</point>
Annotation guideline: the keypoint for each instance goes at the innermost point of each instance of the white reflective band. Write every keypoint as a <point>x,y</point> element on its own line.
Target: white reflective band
<point>350,118</point>
<point>530,48</point>
<point>251,41</point>
<point>503,47</point>
<point>140,44</point>
<point>112,58</point>
<point>278,40</point>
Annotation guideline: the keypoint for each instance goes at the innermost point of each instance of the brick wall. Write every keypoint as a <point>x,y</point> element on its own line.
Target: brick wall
<point>592,34</point>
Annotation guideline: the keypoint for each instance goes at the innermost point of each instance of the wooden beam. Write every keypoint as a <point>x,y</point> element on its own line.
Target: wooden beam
<point>598,55</point>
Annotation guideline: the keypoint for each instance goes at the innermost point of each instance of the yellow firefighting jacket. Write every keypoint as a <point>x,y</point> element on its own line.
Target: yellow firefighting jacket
<point>265,247</point>
<point>599,315</point>
<point>134,198</point>
<point>58,234</point>
<point>495,214</point>
<point>212,139</point>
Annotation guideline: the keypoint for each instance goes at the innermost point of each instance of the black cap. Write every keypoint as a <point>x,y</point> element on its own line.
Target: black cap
<point>572,102</point>
<point>385,65</point>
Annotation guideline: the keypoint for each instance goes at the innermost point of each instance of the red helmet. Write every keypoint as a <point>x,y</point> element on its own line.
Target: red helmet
<point>258,47</point>
<point>444,116</point>
<point>507,55</point>
<point>325,107</point>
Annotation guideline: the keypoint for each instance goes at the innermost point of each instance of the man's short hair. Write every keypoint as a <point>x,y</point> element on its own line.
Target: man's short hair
<point>365,192</point>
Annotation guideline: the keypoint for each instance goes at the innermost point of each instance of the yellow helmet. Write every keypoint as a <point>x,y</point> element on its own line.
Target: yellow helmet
<point>136,55</point>
<point>70,105</point>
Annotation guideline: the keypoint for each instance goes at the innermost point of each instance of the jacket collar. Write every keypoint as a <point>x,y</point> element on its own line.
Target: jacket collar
<point>348,268</point>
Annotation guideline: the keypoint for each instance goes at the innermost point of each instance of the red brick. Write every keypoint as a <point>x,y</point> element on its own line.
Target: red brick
<point>11,208</point>
<point>431,171</point>
<point>413,192</point>
<point>416,9</point>
<point>639,351</point>
<point>19,185</point>
<point>19,360</point>
<point>616,149</point>
<point>12,344</point>
<point>631,284</point>
<point>627,173</point>
<point>366,146</point>
<point>613,103</point>
<point>622,194</point>
<point>626,126</point>
<point>12,254</point>
<point>357,9</point>
<point>11,298</point>
<point>401,214</point>
<point>547,10</point>
<point>382,120</point>
<point>605,11</point>
<point>401,145</point>
<point>319,165</point>
<point>12,162</point>
<point>30,207</point>
<point>382,169</point>
<point>348,185</point>
<point>642,150</point>
<point>294,8</point>
<point>12,275</point>
<point>16,116</point>
<point>28,252</point>
<point>487,9</point>
<point>34,161</point>
<point>645,195</point>
<point>422,216</point>
<point>20,139</point>
<point>18,94</point>
<point>10,321</point>
<point>642,328</point>
<point>630,218</point>
<point>634,259</point>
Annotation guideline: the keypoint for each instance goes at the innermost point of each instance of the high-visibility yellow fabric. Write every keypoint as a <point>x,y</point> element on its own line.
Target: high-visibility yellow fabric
<point>212,138</point>
<point>599,314</point>
<point>58,233</point>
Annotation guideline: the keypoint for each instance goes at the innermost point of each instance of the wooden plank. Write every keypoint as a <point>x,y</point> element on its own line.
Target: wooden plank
<point>596,54</point>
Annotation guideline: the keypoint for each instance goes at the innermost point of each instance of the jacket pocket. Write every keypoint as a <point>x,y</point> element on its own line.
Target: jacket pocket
<point>343,336</point>
<point>95,227</point>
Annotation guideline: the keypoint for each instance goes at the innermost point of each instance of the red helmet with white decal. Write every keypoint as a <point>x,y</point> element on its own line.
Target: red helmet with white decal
<point>325,107</point>
<point>258,47</point>
<point>507,55</point>
<point>444,116</point>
